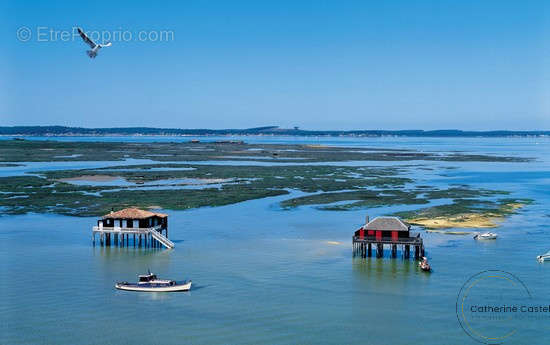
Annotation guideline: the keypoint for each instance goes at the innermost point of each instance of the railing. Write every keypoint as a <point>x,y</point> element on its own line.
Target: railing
<point>416,240</point>
<point>125,229</point>
<point>163,239</point>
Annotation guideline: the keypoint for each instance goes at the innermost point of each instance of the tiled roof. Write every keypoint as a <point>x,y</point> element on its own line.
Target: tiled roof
<point>133,213</point>
<point>387,224</point>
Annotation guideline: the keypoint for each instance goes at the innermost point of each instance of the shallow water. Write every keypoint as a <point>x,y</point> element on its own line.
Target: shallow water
<point>266,275</point>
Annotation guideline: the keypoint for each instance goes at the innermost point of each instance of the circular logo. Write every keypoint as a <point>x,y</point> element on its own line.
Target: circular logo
<point>488,305</point>
<point>24,34</point>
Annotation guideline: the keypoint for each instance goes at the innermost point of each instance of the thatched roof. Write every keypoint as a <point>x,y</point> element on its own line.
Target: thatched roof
<point>387,224</point>
<point>133,213</point>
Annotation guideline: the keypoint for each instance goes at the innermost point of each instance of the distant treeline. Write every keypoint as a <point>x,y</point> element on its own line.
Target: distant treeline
<point>268,130</point>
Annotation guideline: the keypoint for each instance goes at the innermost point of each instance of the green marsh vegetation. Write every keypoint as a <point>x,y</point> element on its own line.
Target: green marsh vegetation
<point>173,181</point>
<point>50,151</point>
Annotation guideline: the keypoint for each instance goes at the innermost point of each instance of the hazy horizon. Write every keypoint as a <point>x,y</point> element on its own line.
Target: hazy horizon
<point>283,127</point>
<point>321,66</point>
<point>286,128</point>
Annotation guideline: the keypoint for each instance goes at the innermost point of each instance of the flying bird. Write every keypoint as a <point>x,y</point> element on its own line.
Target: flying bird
<point>95,47</point>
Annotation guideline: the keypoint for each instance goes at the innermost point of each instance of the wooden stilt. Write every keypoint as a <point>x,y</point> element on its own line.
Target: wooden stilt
<point>379,250</point>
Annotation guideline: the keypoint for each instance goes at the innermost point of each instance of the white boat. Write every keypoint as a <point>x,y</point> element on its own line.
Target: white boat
<point>486,236</point>
<point>150,283</point>
<point>424,265</point>
<point>544,257</point>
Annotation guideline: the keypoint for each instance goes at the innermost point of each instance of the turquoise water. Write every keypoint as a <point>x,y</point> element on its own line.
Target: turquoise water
<point>266,275</point>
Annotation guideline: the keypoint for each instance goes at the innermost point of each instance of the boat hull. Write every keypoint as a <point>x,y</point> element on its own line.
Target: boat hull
<point>543,258</point>
<point>485,237</point>
<point>425,267</point>
<point>136,287</point>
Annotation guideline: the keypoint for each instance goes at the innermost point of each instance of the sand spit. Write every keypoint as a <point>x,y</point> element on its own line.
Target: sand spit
<point>467,220</point>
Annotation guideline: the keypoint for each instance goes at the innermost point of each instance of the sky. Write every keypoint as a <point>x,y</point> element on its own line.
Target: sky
<point>412,64</point>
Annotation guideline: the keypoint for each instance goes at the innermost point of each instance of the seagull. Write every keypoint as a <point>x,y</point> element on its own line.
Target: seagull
<point>95,47</point>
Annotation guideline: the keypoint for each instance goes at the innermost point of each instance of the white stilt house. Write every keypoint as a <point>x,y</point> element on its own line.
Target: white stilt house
<point>145,227</point>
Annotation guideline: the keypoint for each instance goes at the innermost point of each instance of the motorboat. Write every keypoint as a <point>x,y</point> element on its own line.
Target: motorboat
<point>150,283</point>
<point>424,265</point>
<point>486,236</point>
<point>544,257</point>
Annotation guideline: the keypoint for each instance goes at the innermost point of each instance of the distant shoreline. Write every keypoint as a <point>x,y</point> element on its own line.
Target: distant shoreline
<point>61,131</point>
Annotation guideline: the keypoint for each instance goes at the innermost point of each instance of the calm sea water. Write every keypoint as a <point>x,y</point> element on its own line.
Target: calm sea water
<point>265,275</point>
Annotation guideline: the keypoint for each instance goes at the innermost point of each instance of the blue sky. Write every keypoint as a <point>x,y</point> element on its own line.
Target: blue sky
<point>472,65</point>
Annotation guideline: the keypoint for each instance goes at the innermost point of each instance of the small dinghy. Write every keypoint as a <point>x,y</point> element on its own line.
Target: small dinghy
<point>486,236</point>
<point>424,265</point>
<point>544,257</point>
<point>150,283</point>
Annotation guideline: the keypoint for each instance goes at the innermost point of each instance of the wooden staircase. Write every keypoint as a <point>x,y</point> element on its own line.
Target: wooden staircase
<point>162,239</point>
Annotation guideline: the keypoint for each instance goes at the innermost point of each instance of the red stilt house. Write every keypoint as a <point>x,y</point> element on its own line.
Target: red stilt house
<point>384,227</point>
<point>386,231</point>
